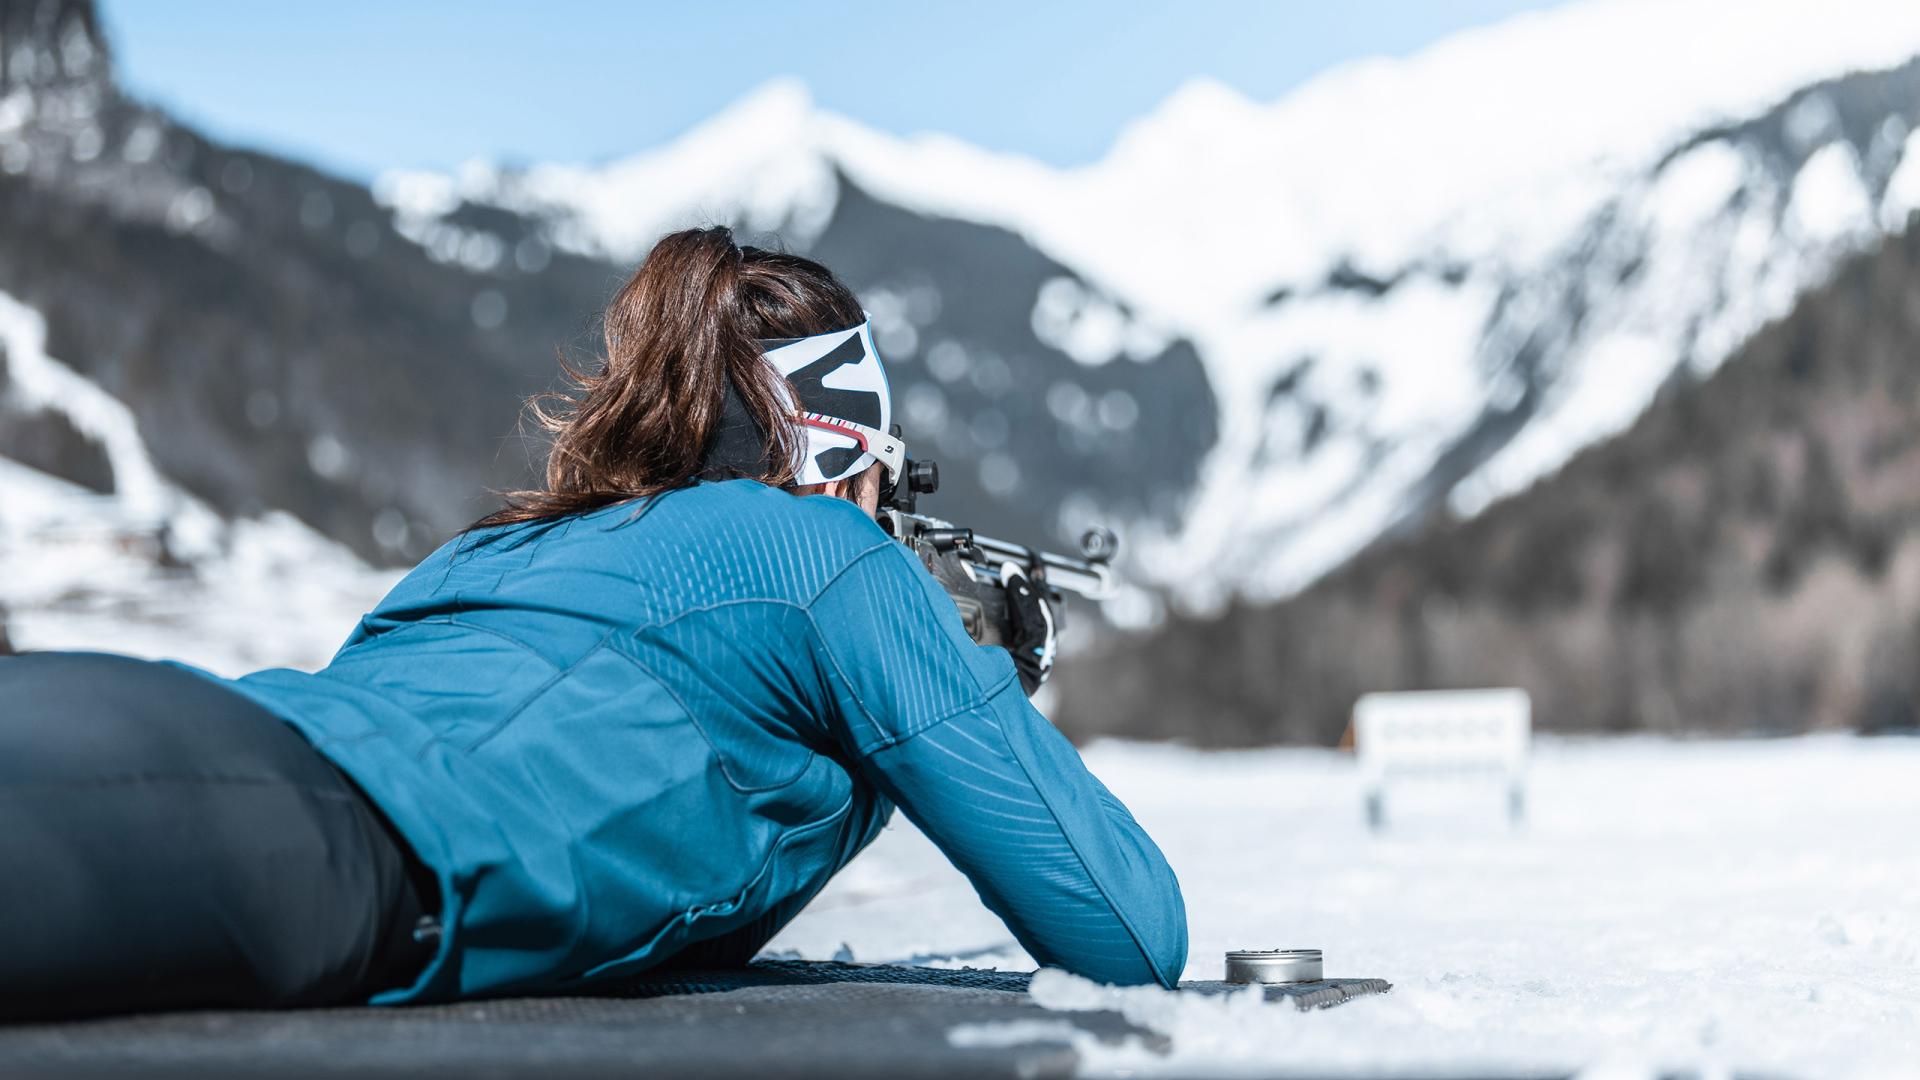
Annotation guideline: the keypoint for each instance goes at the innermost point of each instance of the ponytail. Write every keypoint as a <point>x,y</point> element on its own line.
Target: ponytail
<point>687,324</point>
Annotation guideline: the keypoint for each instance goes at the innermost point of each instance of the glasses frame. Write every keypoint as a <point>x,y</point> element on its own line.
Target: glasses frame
<point>889,450</point>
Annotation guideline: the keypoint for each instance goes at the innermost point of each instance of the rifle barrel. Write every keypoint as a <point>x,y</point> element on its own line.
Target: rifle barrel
<point>1090,579</point>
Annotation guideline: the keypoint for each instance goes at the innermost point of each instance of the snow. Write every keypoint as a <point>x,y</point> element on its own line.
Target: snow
<point>1705,906</point>
<point>1088,327</point>
<point>1902,199</point>
<point>754,163</point>
<point>1321,503</point>
<point>1695,187</point>
<point>1708,274</point>
<point>1828,203</point>
<point>36,381</point>
<point>83,573</point>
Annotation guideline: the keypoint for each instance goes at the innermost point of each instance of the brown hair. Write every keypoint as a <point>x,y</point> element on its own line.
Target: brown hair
<point>689,319</point>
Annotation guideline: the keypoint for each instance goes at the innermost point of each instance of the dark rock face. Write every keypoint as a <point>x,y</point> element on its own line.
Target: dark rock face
<point>980,391</point>
<point>1745,558</point>
<point>282,345</point>
<point>278,370</point>
<point>52,44</point>
<point>49,442</point>
<point>279,344</point>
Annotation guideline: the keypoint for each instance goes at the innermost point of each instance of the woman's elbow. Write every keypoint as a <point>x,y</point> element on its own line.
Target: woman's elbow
<point>1166,946</point>
<point>1158,961</point>
<point>1159,956</point>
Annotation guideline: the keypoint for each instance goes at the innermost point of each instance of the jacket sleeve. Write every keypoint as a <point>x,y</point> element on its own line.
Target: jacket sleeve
<point>940,725</point>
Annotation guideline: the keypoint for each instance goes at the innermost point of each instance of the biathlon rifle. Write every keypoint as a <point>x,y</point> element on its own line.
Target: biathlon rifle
<point>967,564</point>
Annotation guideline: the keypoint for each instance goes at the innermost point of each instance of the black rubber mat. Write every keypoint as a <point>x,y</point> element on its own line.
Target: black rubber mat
<point>1323,994</point>
<point>778,1019</point>
<point>1320,994</point>
<point>821,973</point>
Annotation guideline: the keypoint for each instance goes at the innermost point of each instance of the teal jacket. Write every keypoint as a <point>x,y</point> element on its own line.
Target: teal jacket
<point>655,730</point>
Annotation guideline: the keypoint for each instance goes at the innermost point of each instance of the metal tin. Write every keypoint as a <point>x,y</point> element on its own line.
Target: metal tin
<point>1274,966</point>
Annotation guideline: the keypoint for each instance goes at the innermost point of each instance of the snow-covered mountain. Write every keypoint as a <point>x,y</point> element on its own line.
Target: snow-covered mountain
<point>279,345</point>
<point>1413,283</point>
<point>282,344</point>
<point>104,544</point>
<point>1256,335</point>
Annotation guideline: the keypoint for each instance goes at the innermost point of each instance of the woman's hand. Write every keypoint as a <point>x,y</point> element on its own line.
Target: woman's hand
<point>1031,617</point>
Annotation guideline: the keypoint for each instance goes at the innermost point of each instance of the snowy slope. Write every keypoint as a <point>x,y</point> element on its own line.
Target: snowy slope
<point>149,570</point>
<point>1700,908</point>
<point>1414,282</point>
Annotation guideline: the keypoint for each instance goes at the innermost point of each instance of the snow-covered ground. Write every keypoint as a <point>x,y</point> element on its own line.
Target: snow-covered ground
<point>80,571</point>
<point>1709,907</point>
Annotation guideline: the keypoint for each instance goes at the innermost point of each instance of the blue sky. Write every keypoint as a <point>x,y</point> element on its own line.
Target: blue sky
<point>358,87</point>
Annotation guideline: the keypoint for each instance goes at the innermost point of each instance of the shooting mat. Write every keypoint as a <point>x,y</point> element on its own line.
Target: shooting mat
<point>779,1018</point>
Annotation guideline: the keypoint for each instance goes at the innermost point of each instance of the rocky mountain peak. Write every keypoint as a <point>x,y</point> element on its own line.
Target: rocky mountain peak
<point>53,44</point>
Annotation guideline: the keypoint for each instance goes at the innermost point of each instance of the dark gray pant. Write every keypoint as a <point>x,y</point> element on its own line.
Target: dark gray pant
<point>166,843</point>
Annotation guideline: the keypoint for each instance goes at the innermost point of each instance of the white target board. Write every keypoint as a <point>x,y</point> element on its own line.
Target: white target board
<point>1440,732</point>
